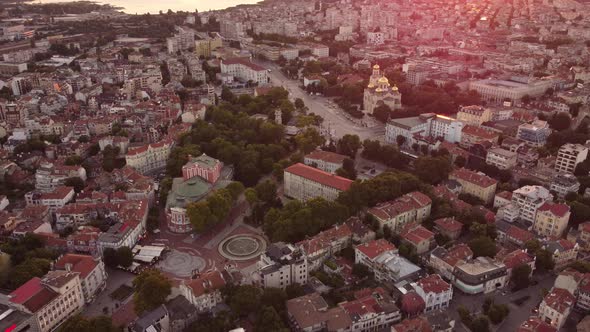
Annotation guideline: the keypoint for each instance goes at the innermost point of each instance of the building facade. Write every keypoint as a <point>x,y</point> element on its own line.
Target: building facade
<point>151,157</point>
<point>304,182</point>
<point>569,156</point>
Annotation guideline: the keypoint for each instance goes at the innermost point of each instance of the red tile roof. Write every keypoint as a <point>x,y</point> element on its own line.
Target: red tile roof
<point>418,235</point>
<point>519,234</point>
<point>324,239</point>
<point>433,284</point>
<point>535,324</point>
<point>448,224</point>
<point>418,324</point>
<point>412,303</point>
<point>40,299</point>
<point>473,177</point>
<point>319,176</point>
<point>516,258</point>
<point>82,264</point>
<point>405,203</point>
<point>557,209</point>
<point>207,282</point>
<point>585,227</point>
<point>375,248</point>
<point>26,291</point>
<point>326,156</point>
<point>559,300</point>
<point>244,62</point>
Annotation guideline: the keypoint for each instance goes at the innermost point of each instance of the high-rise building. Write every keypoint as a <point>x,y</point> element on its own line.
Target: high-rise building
<point>529,199</point>
<point>231,29</point>
<point>534,134</point>
<point>569,156</point>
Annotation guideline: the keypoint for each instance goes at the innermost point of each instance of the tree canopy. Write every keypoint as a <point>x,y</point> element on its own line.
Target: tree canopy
<point>151,290</point>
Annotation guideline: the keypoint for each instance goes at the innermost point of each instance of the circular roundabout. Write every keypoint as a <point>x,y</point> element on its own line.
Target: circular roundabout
<point>181,264</point>
<point>242,247</point>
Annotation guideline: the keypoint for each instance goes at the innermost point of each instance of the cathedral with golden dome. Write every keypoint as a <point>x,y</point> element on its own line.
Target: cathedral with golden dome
<point>380,92</point>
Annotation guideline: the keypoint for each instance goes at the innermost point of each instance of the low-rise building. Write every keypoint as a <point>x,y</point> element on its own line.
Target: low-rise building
<point>204,167</point>
<point>204,291</point>
<point>51,300</point>
<point>564,252</point>
<point>54,199</point>
<point>150,157</point>
<point>556,307</point>
<point>311,313</point>
<point>411,208</point>
<point>569,156</point>
<point>534,134</point>
<point>517,258</point>
<point>448,227</point>
<point>471,135</point>
<point>245,70</point>
<point>503,159</point>
<point>435,292</point>
<point>325,160</point>
<point>564,183</point>
<point>476,184</point>
<point>383,259</point>
<point>443,260</point>
<point>529,199</point>
<point>419,238</point>
<point>552,219</point>
<point>304,182</point>
<point>323,245</point>
<point>480,275</point>
<point>535,324</point>
<point>474,115</point>
<point>282,265</point>
<point>91,271</point>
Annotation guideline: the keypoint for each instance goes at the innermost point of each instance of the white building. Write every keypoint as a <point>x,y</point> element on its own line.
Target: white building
<point>410,208</point>
<point>91,271</point>
<point>435,292</point>
<point>282,265</point>
<point>499,90</point>
<point>424,125</point>
<point>149,157</point>
<point>564,183</point>
<point>54,199</point>
<point>503,159</point>
<point>556,307</point>
<point>204,292</point>
<point>304,182</point>
<point>480,275</point>
<point>245,70</point>
<point>375,38</point>
<point>529,199</point>
<point>231,29</point>
<point>569,156</point>
<point>534,134</point>
<point>51,300</point>
<point>325,160</point>
<point>384,260</point>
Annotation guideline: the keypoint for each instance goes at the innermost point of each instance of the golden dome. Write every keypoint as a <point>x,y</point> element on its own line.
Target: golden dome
<point>376,67</point>
<point>378,90</point>
<point>383,79</point>
<point>371,85</point>
<point>394,88</point>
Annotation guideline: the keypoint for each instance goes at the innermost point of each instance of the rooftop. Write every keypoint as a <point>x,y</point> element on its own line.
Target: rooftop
<point>319,176</point>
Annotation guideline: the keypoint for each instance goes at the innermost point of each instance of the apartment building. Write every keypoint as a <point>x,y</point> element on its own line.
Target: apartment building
<point>304,182</point>
<point>205,46</point>
<point>503,159</point>
<point>476,184</point>
<point>50,176</point>
<point>497,91</point>
<point>91,271</point>
<point>325,160</point>
<point>204,291</point>
<point>424,125</point>
<point>231,29</point>
<point>182,40</point>
<point>245,70</point>
<point>564,183</point>
<point>551,219</point>
<point>556,307</point>
<point>282,264</point>
<point>529,199</point>
<point>569,156</point>
<point>413,207</point>
<point>54,199</point>
<point>383,259</point>
<point>435,292</point>
<point>534,134</point>
<point>325,244</point>
<point>480,275</point>
<point>471,135</point>
<point>51,300</point>
<point>474,115</point>
<point>564,252</point>
<point>150,157</point>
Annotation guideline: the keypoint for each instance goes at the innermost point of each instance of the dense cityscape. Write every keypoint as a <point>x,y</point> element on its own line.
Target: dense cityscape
<point>338,165</point>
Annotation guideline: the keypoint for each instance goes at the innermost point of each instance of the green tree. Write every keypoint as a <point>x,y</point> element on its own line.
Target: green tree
<point>349,145</point>
<point>266,191</point>
<point>347,170</point>
<point>268,319</point>
<point>110,258</point>
<point>124,256</point>
<point>460,161</point>
<point>561,121</point>
<point>480,324</point>
<point>309,139</point>
<point>235,189</point>
<point>244,299</point>
<point>251,196</point>
<point>73,160</point>
<point>299,104</point>
<point>544,261</point>
<point>483,246</point>
<point>400,140</point>
<point>30,268</point>
<point>151,290</point>
<point>94,324</point>
<point>382,113</point>
<point>432,169</point>
<point>274,297</point>
<point>520,276</point>
<point>75,182</point>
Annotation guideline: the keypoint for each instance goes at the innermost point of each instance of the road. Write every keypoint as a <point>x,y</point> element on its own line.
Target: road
<point>518,313</point>
<point>333,116</point>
